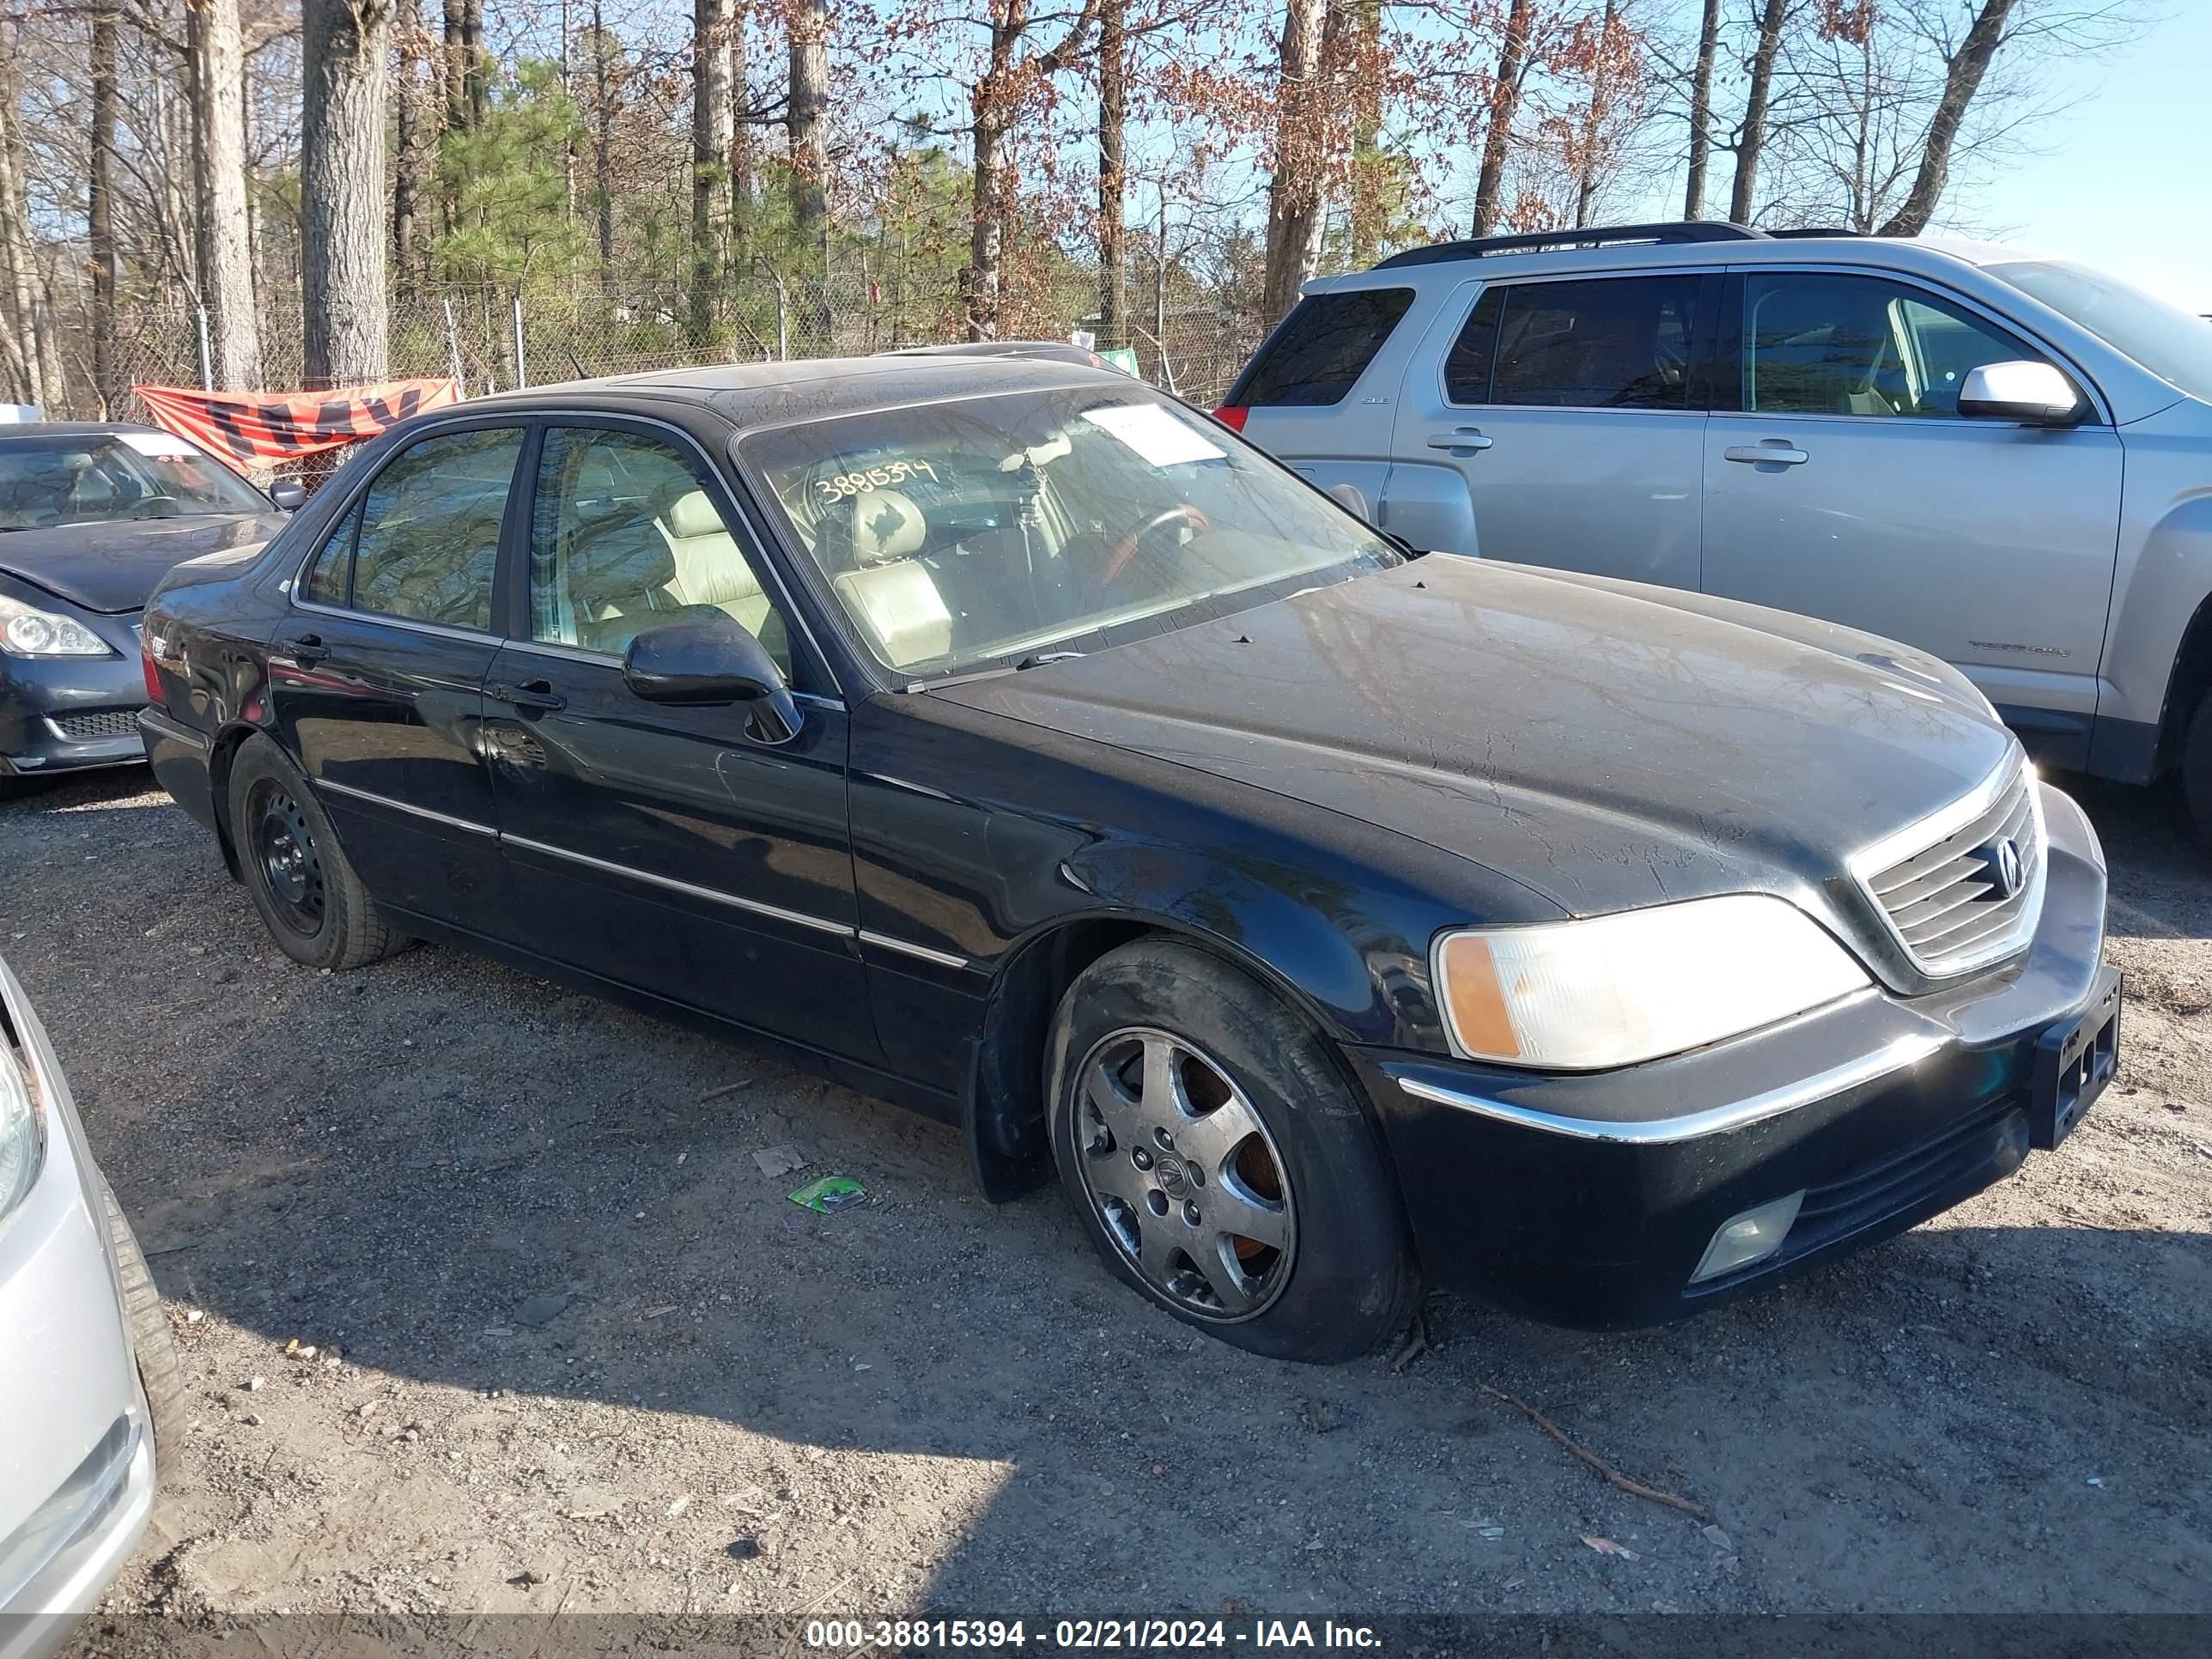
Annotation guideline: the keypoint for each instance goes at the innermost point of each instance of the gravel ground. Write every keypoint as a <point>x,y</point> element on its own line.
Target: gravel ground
<point>571,1349</point>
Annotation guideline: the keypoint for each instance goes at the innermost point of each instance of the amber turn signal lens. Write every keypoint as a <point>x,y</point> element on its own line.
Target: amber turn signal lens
<point>1474,1000</point>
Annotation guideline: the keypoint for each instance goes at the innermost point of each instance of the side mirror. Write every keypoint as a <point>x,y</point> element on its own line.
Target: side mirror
<point>1354,499</point>
<point>695,665</point>
<point>2033,394</point>
<point>289,494</point>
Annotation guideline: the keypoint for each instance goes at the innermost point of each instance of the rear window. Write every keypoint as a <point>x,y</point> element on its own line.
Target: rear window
<point>1322,349</point>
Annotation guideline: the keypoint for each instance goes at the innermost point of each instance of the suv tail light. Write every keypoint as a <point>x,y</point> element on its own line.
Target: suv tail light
<point>1232,415</point>
<point>155,695</point>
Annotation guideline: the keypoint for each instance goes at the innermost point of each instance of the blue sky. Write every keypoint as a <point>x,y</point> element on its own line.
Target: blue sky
<point>2125,182</point>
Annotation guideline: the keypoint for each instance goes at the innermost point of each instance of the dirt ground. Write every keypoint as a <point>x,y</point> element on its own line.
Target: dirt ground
<point>572,1349</point>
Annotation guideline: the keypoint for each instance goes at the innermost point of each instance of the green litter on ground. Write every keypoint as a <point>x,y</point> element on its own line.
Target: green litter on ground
<point>830,1194</point>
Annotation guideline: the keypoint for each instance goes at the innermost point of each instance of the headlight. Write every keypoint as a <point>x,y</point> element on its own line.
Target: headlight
<point>27,631</point>
<point>22,1134</point>
<point>1579,996</point>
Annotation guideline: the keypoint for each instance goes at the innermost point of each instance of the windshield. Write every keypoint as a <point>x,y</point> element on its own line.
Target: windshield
<point>2165,339</point>
<point>961,534</point>
<point>91,477</point>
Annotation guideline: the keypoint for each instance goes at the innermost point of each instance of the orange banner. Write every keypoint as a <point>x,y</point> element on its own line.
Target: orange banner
<point>258,429</point>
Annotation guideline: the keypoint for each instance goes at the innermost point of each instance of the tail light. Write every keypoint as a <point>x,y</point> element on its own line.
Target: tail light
<point>1232,415</point>
<point>155,695</point>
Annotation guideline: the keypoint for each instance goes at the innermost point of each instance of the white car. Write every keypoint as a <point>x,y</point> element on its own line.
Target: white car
<point>89,1383</point>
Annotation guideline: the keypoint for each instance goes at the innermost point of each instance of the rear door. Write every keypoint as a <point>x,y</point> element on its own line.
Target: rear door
<point>376,676</point>
<point>1319,393</point>
<point>1568,413</point>
<point>1847,486</point>
<point>670,849</point>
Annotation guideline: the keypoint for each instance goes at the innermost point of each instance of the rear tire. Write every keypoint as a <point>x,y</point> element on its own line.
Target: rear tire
<point>310,899</point>
<point>1220,1160</point>
<point>2196,767</point>
<point>160,1373</point>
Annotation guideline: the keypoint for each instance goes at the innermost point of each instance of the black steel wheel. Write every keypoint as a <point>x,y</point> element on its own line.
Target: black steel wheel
<point>313,903</point>
<point>1220,1160</point>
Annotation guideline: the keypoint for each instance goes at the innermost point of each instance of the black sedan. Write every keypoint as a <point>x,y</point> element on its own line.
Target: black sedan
<point>91,517</point>
<point>1005,739</point>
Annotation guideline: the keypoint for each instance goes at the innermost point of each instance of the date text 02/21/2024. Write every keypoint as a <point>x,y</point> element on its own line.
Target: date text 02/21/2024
<point>1083,1634</point>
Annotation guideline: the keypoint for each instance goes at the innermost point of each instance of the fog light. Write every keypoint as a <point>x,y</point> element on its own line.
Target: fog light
<point>1752,1237</point>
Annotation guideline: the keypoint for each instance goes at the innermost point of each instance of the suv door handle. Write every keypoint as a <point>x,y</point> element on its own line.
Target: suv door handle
<point>1465,437</point>
<point>1780,451</point>
<point>307,648</point>
<point>531,693</point>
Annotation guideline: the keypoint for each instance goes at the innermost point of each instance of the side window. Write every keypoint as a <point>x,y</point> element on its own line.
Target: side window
<point>623,536</point>
<point>1817,344</point>
<point>327,577</point>
<point>428,537</point>
<point>1323,348</point>
<point>1610,343</point>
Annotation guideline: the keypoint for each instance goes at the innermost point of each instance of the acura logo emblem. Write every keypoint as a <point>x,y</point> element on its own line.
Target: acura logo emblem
<point>2001,860</point>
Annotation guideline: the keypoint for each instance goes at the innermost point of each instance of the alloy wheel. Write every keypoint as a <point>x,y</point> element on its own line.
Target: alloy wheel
<point>1183,1175</point>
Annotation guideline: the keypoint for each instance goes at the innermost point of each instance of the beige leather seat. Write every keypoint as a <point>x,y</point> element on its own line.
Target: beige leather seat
<point>892,594</point>
<point>709,567</point>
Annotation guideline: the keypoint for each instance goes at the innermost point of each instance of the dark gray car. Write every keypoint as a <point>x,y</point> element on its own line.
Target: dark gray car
<point>91,517</point>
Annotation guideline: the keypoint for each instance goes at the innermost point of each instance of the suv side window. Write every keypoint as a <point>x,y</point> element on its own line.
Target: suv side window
<point>623,535</point>
<point>1819,343</point>
<point>1322,349</point>
<point>426,534</point>
<point>1605,342</point>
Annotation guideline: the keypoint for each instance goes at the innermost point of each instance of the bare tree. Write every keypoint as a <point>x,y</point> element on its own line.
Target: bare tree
<point>99,204</point>
<point>1113,168</point>
<point>1296,203</point>
<point>804,122</point>
<point>21,339</point>
<point>216,58</point>
<point>711,129</point>
<point>416,134</point>
<point>1962,79</point>
<point>1750,136</point>
<point>1701,111</point>
<point>343,47</point>
<point>1504,104</point>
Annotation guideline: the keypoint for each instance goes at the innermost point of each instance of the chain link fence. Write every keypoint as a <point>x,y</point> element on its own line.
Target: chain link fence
<point>492,339</point>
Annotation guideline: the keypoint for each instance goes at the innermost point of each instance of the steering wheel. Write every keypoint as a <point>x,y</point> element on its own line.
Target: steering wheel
<point>1126,549</point>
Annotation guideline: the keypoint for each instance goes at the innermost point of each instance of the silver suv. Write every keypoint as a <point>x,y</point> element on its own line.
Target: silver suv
<point>2003,461</point>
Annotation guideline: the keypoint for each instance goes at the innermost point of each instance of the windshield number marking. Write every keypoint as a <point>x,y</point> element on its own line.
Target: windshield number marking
<point>846,485</point>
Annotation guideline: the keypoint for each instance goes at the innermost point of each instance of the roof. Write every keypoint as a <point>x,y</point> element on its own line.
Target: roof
<point>759,394</point>
<point>71,429</point>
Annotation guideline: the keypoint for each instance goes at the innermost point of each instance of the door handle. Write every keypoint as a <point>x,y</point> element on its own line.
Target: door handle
<point>1779,451</point>
<point>531,693</point>
<point>307,648</point>
<point>1465,437</point>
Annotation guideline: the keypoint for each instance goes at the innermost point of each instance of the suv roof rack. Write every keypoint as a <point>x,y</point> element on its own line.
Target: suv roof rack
<point>1812,232</point>
<point>1681,230</point>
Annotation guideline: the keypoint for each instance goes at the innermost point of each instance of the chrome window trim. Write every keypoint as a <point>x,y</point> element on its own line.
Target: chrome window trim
<point>1966,302</point>
<point>1917,838</point>
<point>412,810</point>
<point>1482,286</point>
<point>715,894</point>
<point>1893,1057</point>
<point>943,959</point>
<point>436,630</point>
<point>610,659</point>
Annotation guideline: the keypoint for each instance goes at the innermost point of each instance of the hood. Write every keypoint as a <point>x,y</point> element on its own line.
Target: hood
<point>1600,744</point>
<point>114,566</point>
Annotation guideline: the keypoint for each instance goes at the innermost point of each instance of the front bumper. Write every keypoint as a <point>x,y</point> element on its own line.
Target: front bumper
<point>64,713</point>
<point>76,1455</point>
<point>1590,1200</point>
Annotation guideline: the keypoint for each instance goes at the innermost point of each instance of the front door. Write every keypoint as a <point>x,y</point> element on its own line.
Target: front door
<point>1568,412</point>
<point>1849,487</point>
<point>376,676</point>
<point>670,849</point>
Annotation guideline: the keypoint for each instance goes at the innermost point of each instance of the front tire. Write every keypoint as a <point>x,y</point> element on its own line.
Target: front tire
<point>313,903</point>
<point>161,1376</point>
<point>1220,1161</point>
<point>2196,767</point>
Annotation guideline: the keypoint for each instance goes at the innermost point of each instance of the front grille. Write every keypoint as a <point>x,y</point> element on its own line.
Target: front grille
<point>1948,903</point>
<point>101,723</point>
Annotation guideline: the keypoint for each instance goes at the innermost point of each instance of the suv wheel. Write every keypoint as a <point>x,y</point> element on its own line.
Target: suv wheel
<point>2196,767</point>
<point>313,903</point>
<point>1219,1162</point>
